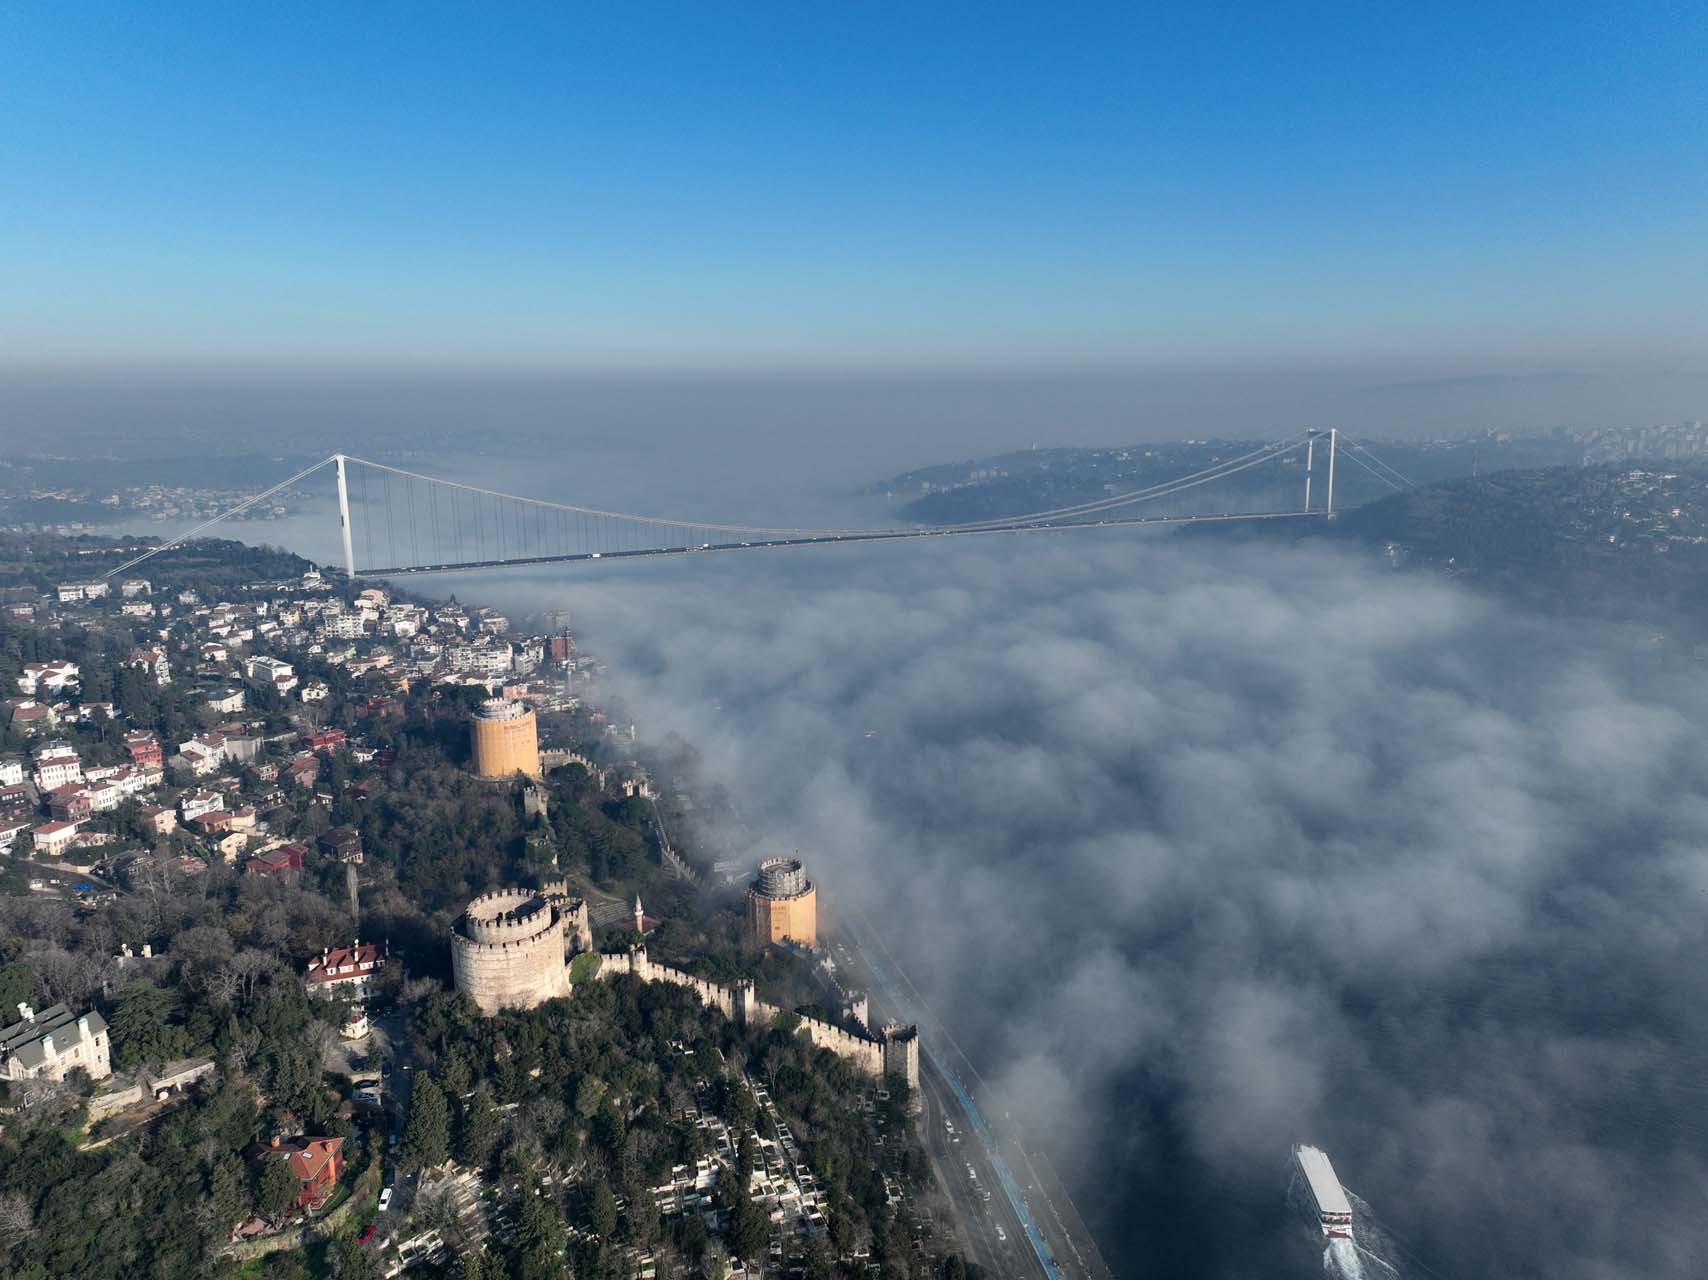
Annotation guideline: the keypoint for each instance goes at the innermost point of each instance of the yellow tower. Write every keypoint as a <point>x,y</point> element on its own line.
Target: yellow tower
<point>505,741</point>
<point>782,905</point>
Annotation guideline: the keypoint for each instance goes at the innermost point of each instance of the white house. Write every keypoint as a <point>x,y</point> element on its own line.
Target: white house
<point>48,677</point>
<point>193,804</point>
<point>225,700</point>
<point>52,1043</point>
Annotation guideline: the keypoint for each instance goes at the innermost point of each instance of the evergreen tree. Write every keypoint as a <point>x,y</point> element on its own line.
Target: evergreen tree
<point>427,1138</point>
<point>142,1029</point>
<point>279,1187</point>
<point>542,1236</point>
<point>479,1132</point>
<point>602,1210</point>
<point>229,1194</point>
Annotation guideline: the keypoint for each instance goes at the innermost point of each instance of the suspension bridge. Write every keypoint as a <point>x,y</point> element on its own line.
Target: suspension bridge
<point>405,523</point>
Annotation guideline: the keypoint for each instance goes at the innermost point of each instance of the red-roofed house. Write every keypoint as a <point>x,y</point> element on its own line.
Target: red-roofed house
<point>28,716</point>
<point>54,837</point>
<point>276,862</point>
<point>145,749</point>
<point>349,968</point>
<point>316,1162</point>
<point>324,740</point>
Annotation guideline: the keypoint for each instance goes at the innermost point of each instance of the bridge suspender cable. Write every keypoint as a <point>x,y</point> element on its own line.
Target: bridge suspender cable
<point>1163,489</point>
<point>224,515</point>
<point>624,527</point>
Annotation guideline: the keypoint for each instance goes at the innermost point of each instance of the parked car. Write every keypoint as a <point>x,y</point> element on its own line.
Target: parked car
<point>385,1199</point>
<point>367,1234</point>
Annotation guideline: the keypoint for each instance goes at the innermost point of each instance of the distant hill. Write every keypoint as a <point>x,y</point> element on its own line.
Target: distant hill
<point>1615,540</point>
<point>1013,484</point>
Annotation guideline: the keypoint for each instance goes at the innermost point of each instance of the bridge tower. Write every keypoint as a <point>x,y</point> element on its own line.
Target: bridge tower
<point>1333,432</point>
<point>344,518</point>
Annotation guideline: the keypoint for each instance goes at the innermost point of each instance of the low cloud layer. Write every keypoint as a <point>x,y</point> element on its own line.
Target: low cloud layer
<point>1205,850</point>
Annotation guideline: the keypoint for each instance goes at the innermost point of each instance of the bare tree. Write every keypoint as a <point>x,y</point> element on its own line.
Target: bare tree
<point>17,1219</point>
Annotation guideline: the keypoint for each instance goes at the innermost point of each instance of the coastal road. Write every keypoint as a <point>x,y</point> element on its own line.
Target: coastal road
<point>990,1232</point>
<point>995,1234</point>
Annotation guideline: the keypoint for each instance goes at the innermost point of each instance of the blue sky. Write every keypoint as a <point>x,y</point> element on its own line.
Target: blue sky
<point>812,185</point>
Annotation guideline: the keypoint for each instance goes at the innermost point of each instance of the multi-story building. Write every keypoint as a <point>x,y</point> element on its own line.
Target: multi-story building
<point>153,662</point>
<point>52,1043</point>
<point>144,749</point>
<point>225,701</point>
<point>72,592</point>
<point>56,764</point>
<point>270,673</point>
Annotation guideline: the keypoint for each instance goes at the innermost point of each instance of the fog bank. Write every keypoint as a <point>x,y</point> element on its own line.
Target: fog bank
<point>1202,851</point>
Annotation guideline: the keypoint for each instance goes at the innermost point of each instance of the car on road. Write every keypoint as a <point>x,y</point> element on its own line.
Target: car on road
<point>385,1199</point>
<point>366,1235</point>
<point>1001,1234</point>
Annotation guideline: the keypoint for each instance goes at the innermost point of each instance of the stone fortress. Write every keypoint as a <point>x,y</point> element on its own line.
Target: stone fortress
<point>511,950</point>
<point>782,905</point>
<point>505,740</point>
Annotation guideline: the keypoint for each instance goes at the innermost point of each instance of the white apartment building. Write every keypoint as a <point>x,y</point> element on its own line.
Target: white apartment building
<point>56,765</point>
<point>271,672</point>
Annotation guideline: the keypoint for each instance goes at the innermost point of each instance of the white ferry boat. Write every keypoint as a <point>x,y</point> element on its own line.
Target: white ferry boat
<point>1334,1211</point>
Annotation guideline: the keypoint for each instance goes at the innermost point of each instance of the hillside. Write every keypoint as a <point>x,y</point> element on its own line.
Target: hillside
<point>1612,540</point>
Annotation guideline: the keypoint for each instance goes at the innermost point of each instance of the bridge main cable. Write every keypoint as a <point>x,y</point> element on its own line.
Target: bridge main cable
<point>1179,484</point>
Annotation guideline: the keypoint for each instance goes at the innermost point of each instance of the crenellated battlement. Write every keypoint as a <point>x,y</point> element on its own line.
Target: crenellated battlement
<point>895,1052</point>
<point>504,960</point>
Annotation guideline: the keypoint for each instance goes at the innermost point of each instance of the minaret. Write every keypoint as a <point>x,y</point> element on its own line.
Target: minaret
<point>640,917</point>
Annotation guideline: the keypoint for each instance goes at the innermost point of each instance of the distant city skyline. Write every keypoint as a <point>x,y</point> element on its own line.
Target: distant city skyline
<point>1458,190</point>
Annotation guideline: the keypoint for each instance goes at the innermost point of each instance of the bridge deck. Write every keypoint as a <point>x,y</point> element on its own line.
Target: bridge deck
<point>876,535</point>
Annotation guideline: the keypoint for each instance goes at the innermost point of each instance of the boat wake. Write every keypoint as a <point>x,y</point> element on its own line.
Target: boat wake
<point>1341,1260</point>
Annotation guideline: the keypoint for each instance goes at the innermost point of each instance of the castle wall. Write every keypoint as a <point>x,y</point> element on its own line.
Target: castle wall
<point>897,1052</point>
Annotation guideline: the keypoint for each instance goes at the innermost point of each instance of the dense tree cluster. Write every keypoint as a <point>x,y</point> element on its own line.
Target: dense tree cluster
<point>589,1091</point>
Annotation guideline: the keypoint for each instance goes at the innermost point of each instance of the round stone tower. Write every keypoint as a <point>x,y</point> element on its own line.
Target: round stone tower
<point>505,740</point>
<point>507,951</point>
<point>782,905</point>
